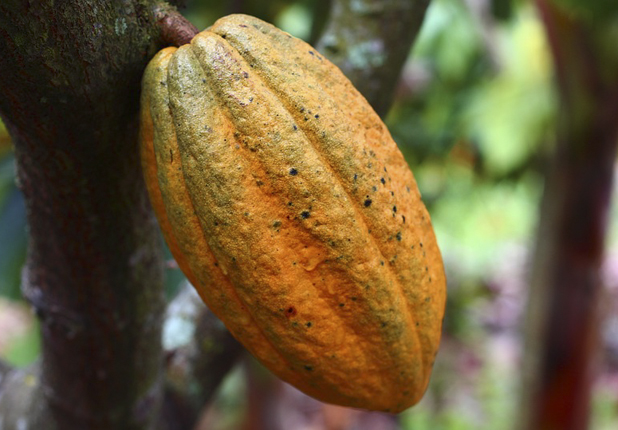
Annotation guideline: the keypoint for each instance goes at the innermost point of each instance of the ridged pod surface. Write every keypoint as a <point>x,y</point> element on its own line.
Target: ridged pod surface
<point>289,207</point>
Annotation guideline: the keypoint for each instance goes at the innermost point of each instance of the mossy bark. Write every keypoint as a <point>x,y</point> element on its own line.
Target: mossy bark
<point>370,40</point>
<point>71,76</point>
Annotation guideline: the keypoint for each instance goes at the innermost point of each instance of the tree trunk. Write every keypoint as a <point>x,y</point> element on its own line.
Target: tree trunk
<point>563,312</point>
<point>71,74</point>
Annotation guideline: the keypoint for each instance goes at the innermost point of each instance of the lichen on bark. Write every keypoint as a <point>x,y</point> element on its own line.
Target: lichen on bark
<point>71,74</point>
<point>370,40</point>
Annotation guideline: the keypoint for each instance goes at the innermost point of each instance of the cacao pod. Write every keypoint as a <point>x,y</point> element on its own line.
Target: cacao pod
<point>289,207</point>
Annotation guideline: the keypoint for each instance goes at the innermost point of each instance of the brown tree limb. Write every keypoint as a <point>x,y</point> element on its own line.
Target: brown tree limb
<point>71,76</point>
<point>196,364</point>
<point>370,40</point>
<point>563,310</point>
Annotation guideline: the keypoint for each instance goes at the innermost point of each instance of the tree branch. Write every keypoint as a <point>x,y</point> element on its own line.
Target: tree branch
<point>370,40</point>
<point>197,363</point>
<point>563,309</point>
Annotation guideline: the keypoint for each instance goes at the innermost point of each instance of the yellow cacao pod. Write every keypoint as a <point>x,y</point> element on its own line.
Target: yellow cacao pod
<point>290,208</point>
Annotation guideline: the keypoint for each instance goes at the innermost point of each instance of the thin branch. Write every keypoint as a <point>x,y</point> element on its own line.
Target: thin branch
<point>176,30</point>
<point>370,41</point>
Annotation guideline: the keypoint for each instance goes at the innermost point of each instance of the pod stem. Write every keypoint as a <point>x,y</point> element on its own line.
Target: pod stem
<point>176,30</point>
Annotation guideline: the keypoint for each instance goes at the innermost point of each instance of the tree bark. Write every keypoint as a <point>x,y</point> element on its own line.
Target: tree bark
<point>196,364</point>
<point>563,310</point>
<point>370,40</point>
<point>71,74</point>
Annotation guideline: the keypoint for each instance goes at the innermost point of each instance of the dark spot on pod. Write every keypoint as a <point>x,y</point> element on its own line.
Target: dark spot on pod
<point>421,244</point>
<point>383,181</point>
<point>429,280</point>
<point>427,299</point>
<point>295,127</point>
<point>354,299</point>
<point>311,52</point>
<point>403,217</point>
<point>398,236</point>
<point>290,204</point>
<point>171,156</point>
<point>309,324</point>
<point>381,263</point>
<point>308,368</point>
<point>224,36</point>
<point>203,81</point>
<point>277,224</point>
<point>374,188</point>
<point>418,323</point>
<point>290,312</point>
<point>302,109</point>
<point>316,116</point>
<point>306,118</point>
<point>367,203</point>
<point>341,305</point>
<point>242,25</point>
<point>394,208</point>
<point>305,214</point>
<point>355,176</point>
<point>383,324</point>
<point>293,172</point>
